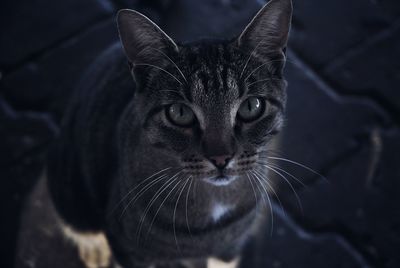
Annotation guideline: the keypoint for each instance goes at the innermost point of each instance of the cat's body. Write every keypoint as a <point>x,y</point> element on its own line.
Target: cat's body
<point>165,166</point>
<point>82,205</point>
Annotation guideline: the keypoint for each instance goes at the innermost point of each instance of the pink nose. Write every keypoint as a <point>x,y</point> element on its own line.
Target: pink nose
<point>220,161</point>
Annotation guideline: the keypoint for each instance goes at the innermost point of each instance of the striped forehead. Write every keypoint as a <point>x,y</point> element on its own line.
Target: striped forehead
<point>215,93</point>
<point>216,83</point>
<point>214,78</point>
<point>213,82</point>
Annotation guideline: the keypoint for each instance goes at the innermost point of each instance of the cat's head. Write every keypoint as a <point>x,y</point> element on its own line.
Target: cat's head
<point>203,111</point>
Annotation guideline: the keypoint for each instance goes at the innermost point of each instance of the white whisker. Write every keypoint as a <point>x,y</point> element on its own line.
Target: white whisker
<point>248,59</point>
<point>265,202</point>
<point>263,80</point>
<point>290,185</point>
<point>186,208</point>
<point>254,191</point>
<point>289,174</point>
<point>179,70</point>
<point>136,186</point>
<point>174,214</point>
<point>140,193</point>
<point>162,69</point>
<point>155,197</point>
<point>258,67</point>
<point>162,203</point>
<point>300,165</point>
<point>265,179</point>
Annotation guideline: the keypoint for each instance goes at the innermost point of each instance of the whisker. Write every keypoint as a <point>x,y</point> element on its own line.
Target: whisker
<point>136,197</point>
<point>179,70</point>
<point>290,185</point>
<point>300,165</point>
<point>162,203</point>
<point>162,69</point>
<point>186,208</point>
<point>265,202</point>
<point>287,173</point>
<point>263,80</point>
<point>258,67</point>
<point>267,152</point>
<point>248,59</point>
<point>265,179</point>
<point>174,214</point>
<point>136,186</point>
<point>155,197</point>
<point>254,191</point>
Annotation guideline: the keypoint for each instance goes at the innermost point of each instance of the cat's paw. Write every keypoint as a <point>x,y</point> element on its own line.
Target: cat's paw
<point>93,248</point>
<point>95,253</point>
<point>215,263</point>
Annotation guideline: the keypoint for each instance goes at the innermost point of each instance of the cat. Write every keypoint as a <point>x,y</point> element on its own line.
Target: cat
<point>159,161</point>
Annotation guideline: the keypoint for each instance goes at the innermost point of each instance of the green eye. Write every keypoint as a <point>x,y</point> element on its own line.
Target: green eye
<point>180,114</point>
<point>251,109</point>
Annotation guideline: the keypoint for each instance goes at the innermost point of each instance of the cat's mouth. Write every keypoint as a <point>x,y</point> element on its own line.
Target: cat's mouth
<point>220,180</point>
<point>219,177</point>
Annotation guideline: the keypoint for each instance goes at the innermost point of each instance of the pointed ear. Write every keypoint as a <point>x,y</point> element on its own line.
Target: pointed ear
<point>268,32</point>
<point>141,38</point>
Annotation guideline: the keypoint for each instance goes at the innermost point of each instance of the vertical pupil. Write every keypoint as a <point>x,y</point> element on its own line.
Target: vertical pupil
<point>181,110</point>
<point>249,105</point>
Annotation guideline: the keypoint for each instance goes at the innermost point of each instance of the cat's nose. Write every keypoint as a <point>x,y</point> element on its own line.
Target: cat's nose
<point>220,161</point>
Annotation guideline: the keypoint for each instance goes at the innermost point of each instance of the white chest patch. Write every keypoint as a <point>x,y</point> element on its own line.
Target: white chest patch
<point>219,210</point>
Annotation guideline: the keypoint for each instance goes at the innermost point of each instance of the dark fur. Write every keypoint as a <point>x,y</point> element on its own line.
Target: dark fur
<point>116,134</point>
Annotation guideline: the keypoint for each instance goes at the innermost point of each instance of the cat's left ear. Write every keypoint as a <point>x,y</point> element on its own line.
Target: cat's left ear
<point>143,41</point>
<point>268,32</point>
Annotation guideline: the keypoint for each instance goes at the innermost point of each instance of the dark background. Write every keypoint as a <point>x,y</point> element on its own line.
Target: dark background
<point>343,114</point>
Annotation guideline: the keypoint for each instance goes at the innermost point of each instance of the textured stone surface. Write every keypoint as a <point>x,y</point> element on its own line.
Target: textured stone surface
<point>343,115</point>
<point>30,28</point>
<point>189,20</point>
<point>360,203</point>
<point>290,245</point>
<point>24,139</point>
<point>324,30</point>
<point>355,203</point>
<point>46,84</point>
<point>373,71</point>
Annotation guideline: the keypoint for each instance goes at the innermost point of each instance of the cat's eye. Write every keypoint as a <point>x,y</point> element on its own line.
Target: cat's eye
<point>180,114</point>
<point>251,109</point>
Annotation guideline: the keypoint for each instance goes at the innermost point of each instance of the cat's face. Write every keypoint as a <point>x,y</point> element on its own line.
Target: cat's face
<point>214,114</point>
<point>203,113</point>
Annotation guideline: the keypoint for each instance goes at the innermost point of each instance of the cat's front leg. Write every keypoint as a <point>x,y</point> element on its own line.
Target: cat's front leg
<point>208,263</point>
<point>216,263</point>
<point>204,263</point>
<point>93,248</point>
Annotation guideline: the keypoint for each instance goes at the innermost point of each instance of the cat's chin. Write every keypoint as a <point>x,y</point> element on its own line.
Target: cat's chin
<point>220,181</point>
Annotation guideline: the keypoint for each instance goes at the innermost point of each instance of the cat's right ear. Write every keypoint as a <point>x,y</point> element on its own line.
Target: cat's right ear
<point>143,41</point>
<point>268,32</point>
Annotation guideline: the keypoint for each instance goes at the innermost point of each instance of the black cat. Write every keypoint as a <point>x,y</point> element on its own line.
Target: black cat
<point>169,165</point>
